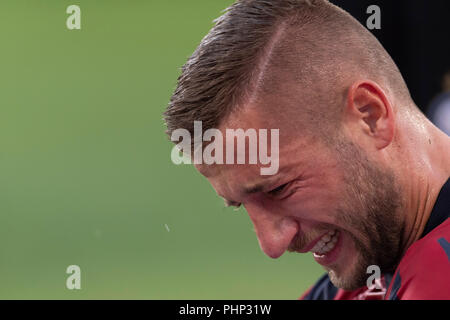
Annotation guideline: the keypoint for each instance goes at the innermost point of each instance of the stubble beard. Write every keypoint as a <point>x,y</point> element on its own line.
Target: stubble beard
<point>372,208</point>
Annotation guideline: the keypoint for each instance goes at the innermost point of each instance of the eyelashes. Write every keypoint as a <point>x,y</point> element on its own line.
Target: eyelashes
<point>228,203</point>
<point>281,192</point>
<point>278,191</point>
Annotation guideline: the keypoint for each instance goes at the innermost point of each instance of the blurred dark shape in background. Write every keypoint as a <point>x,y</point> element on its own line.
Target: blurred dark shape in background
<point>439,110</point>
<point>416,33</point>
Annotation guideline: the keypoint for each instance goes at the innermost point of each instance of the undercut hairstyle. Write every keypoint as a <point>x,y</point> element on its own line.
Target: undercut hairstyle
<point>306,51</point>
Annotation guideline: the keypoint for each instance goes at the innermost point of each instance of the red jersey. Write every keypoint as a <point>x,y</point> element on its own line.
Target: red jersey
<point>422,274</point>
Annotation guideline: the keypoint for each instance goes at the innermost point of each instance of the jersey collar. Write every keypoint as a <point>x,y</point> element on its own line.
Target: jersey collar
<point>441,209</point>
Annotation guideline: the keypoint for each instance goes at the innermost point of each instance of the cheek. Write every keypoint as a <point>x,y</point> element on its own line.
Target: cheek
<point>323,208</point>
<point>316,203</point>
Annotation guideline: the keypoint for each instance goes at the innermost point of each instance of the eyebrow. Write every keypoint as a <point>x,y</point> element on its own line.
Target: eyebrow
<point>261,186</point>
<point>255,188</point>
<point>252,189</point>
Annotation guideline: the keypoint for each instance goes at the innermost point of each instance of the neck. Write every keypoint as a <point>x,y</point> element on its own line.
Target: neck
<point>425,168</point>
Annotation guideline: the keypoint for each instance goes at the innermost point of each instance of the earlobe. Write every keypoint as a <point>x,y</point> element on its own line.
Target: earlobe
<point>369,106</point>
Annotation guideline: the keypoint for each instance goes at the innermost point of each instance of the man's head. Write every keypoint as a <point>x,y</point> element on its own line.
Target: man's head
<point>312,71</point>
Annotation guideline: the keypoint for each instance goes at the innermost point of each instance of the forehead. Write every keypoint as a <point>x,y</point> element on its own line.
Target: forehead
<point>294,150</point>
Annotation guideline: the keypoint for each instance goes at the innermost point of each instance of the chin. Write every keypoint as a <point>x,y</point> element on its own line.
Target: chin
<point>348,276</point>
<point>346,283</point>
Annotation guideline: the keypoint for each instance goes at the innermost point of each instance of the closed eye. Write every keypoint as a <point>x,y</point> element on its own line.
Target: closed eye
<point>277,191</point>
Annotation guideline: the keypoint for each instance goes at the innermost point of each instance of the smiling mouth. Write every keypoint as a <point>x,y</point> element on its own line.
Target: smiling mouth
<point>325,244</point>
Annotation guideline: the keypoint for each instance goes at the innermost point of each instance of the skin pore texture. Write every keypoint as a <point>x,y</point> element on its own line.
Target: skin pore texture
<point>374,178</point>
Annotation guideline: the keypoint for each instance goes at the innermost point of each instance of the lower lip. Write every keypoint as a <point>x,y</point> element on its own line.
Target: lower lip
<point>330,257</point>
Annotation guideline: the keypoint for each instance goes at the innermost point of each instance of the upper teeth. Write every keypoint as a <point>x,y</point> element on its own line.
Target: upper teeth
<point>326,243</point>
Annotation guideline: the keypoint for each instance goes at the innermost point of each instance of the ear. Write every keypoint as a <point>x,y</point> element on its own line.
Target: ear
<point>370,112</point>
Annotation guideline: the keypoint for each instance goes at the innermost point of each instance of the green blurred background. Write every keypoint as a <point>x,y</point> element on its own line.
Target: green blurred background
<point>85,170</point>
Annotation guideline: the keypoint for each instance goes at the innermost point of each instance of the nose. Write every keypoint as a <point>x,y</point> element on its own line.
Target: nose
<point>274,231</point>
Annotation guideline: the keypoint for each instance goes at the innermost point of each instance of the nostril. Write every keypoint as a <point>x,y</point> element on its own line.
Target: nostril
<point>293,244</point>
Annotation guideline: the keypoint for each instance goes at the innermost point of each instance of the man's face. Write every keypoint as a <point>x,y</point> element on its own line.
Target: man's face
<point>329,199</point>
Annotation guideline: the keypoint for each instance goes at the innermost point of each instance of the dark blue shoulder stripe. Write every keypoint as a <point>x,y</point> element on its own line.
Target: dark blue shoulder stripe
<point>322,290</point>
<point>446,246</point>
<point>441,209</point>
<point>395,287</point>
